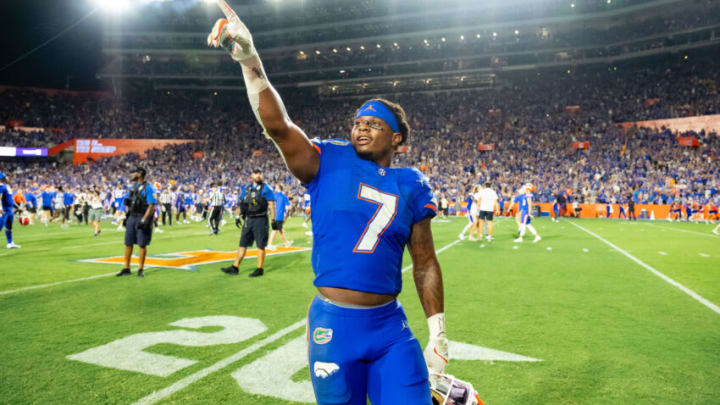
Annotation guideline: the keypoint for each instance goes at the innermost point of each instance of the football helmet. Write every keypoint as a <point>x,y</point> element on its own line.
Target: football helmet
<point>448,390</point>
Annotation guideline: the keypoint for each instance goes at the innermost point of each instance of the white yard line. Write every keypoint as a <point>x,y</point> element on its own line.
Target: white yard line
<point>166,392</point>
<point>33,287</point>
<point>708,234</point>
<point>667,279</point>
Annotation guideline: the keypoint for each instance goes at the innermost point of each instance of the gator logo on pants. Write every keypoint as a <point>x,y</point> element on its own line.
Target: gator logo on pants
<point>322,335</point>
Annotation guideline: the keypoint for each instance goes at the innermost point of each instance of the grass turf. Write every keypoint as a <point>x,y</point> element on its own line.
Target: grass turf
<point>606,328</point>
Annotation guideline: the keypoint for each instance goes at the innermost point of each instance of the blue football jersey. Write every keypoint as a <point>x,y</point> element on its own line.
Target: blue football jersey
<point>523,203</point>
<point>6,198</point>
<point>362,216</point>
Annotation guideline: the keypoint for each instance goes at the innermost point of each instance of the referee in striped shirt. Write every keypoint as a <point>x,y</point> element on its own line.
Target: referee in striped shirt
<point>217,201</point>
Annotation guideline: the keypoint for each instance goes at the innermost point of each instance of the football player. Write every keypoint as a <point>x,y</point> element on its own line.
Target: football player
<point>471,219</point>
<point>524,214</point>
<point>359,340</point>
<point>6,211</point>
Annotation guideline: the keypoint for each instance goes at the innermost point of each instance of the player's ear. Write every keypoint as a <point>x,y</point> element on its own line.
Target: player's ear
<point>396,139</point>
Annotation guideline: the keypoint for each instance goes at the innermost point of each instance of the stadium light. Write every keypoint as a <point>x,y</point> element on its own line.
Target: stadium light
<point>317,52</point>
<point>462,37</point>
<point>378,46</point>
<point>442,39</point>
<point>335,50</point>
<point>517,32</point>
<point>348,49</point>
<point>494,34</point>
<point>113,6</point>
<point>477,36</point>
<point>572,5</point>
<point>362,47</point>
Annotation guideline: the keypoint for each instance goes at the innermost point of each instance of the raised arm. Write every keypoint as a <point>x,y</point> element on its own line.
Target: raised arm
<point>299,154</point>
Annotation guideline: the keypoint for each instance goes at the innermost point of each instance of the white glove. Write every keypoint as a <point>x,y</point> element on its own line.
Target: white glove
<point>436,351</point>
<point>232,35</point>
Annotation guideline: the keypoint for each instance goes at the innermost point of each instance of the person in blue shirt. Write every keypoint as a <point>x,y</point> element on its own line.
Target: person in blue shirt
<point>139,220</point>
<point>46,197</point>
<point>256,200</point>
<point>282,209</point>
<point>470,217</point>
<point>360,343</point>
<point>31,203</point>
<point>524,214</point>
<point>6,211</point>
<point>68,200</point>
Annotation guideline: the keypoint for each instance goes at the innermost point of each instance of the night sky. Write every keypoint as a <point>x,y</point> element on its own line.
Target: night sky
<point>28,23</point>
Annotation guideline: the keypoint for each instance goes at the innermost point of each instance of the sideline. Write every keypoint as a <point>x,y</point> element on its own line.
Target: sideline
<point>710,235</point>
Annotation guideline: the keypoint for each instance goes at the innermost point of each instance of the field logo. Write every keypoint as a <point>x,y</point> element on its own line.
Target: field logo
<point>322,336</point>
<point>188,260</point>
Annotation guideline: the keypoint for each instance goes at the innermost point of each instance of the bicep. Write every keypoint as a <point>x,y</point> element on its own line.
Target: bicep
<point>300,155</point>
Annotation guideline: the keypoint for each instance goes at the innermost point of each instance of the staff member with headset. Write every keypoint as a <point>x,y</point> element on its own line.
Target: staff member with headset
<point>255,201</point>
<point>138,229</point>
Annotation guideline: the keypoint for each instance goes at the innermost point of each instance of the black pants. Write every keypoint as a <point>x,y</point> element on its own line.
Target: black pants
<point>214,220</point>
<point>85,212</point>
<point>168,212</point>
<point>631,213</point>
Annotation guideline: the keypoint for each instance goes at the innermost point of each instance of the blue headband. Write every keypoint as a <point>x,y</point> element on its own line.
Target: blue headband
<point>379,110</point>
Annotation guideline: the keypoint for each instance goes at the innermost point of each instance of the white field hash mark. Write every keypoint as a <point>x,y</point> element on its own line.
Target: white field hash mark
<point>670,281</point>
<point>663,253</point>
<point>183,383</point>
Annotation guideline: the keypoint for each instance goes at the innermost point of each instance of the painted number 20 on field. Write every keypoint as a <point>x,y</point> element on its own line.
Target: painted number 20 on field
<point>269,375</point>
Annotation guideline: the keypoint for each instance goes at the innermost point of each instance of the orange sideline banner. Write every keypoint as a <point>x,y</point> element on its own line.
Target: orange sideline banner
<point>697,124</point>
<point>94,149</point>
<point>599,210</point>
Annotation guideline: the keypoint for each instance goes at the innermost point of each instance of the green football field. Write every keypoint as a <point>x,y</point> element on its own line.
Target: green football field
<point>597,312</point>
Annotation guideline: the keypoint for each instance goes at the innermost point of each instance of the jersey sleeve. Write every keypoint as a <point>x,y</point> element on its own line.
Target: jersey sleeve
<point>421,201</point>
<point>269,195</point>
<point>331,152</point>
<point>150,195</point>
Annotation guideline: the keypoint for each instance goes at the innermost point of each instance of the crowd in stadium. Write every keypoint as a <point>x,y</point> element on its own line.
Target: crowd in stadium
<point>530,119</point>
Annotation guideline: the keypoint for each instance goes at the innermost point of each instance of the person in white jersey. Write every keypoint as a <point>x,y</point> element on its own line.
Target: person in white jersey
<point>487,205</point>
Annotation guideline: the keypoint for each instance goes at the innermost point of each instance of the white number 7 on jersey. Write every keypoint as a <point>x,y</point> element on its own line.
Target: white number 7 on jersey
<point>380,221</point>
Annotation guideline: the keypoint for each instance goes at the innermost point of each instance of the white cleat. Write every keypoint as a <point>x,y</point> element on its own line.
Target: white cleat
<point>270,247</point>
<point>715,231</point>
<point>120,228</point>
<point>288,243</point>
<point>304,225</point>
<point>158,230</point>
<point>518,240</point>
<point>308,233</point>
<point>461,237</point>
<point>537,239</point>
<point>12,245</point>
